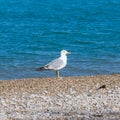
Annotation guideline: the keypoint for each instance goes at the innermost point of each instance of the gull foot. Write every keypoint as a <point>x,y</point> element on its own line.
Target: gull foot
<point>60,78</point>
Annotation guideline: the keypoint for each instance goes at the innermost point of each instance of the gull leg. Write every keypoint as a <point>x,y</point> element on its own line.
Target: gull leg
<point>58,74</point>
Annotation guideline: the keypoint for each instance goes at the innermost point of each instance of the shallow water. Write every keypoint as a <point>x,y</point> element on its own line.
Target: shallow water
<point>32,33</point>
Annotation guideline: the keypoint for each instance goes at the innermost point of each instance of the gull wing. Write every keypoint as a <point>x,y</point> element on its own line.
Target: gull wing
<point>55,64</point>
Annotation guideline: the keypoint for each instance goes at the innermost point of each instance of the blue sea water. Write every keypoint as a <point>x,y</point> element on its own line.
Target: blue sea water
<point>33,32</point>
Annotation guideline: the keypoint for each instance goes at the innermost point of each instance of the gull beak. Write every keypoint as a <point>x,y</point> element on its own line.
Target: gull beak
<point>68,53</point>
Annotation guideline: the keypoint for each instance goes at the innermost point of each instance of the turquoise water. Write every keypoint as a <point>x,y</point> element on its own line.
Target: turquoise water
<point>33,32</point>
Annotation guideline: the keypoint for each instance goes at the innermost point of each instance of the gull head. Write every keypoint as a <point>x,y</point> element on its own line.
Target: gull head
<point>64,52</point>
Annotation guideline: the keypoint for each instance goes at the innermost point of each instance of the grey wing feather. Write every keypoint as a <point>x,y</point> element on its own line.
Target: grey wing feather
<point>55,64</point>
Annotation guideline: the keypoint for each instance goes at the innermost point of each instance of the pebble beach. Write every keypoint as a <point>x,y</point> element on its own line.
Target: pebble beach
<point>68,98</point>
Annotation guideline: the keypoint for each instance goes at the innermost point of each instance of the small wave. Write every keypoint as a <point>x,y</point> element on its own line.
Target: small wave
<point>84,42</point>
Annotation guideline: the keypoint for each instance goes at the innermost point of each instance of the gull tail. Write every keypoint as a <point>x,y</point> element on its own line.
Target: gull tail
<point>40,69</point>
<point>43,68</point>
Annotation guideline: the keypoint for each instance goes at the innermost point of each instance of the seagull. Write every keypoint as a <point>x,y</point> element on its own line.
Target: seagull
<point>56,64</point>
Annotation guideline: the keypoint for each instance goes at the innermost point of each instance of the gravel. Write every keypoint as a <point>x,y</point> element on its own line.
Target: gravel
<point>69,98</point>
